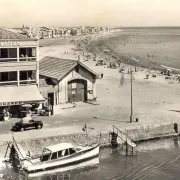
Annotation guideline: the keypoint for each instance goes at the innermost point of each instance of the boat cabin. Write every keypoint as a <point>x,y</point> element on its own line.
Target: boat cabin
<point>57,151</point>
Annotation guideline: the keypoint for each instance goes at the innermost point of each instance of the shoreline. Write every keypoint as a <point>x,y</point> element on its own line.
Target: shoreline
<point>35,145</point>
<point>94,48</point>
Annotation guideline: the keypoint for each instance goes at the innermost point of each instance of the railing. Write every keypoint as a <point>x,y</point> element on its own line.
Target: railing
<point>7,83</point>
<point>8,59</point>
<point>16,59</point>
<point>123,136</point>
<point>27,58</point>
<point>22,82</point>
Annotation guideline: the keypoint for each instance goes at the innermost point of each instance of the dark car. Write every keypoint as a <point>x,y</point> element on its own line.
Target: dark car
<point>31,124</point>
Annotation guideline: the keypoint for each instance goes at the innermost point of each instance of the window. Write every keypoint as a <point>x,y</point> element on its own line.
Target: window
<point>46,155</point>
<point>4,53</point>
<point>12,76</point>
<point>8,76</point>
<point>12,53</point>
<point>73,85</point>
<point>8,53</point>
<point>4,76</point>
<point>25,75</point>
<point>66,152</point>
<point>71,151</point>
<point>24,52</point>
<point>54,156</point>
<point>60,154</point>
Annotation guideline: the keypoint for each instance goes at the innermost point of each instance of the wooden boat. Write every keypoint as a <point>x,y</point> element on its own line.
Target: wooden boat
<point>60,156</point>
<point>93,163</point>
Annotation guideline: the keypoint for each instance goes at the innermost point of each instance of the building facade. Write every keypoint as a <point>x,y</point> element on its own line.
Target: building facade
<point>19,69</point>
<point>65,81</point>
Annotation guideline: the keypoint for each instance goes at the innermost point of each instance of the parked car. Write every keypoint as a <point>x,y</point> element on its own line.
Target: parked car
<point>27,124</point>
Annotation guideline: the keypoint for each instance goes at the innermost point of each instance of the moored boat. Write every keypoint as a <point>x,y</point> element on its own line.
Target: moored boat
<point>63,155</point>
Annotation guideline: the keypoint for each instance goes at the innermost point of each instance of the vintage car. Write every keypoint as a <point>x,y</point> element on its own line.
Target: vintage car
<point>27,123</point>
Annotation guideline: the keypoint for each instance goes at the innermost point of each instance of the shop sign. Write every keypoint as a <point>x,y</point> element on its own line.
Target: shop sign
<point>11,103</point>
<point>9,43</point>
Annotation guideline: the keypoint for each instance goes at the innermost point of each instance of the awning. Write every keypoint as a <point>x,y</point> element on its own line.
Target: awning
<point>14,95</point>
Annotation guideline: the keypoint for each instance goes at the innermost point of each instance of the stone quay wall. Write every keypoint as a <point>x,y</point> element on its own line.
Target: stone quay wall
<point>35,146</point>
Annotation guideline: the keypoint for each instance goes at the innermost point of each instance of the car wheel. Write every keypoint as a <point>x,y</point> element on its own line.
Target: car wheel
<point>39,127</point>
<point>22,129</point>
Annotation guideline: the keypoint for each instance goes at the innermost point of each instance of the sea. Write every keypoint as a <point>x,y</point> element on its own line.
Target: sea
<point>155,160</point>
<point>147,47</point>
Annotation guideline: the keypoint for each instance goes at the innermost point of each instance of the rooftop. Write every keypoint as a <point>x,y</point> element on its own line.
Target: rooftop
<point>59,147</point>
<point>57,67</point>
<point>7,34</point>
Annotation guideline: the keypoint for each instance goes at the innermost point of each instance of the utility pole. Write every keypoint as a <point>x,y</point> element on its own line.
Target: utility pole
<point>131,116</point>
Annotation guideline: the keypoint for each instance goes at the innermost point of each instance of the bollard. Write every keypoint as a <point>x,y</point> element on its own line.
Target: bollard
<point>114,139</point>
<point>176,127</point>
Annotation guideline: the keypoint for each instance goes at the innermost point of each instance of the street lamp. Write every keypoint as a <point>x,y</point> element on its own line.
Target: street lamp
<point>131,116</point>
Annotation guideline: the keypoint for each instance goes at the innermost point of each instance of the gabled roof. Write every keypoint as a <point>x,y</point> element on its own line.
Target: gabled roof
<point>7,34</point>
<point>57,68</point>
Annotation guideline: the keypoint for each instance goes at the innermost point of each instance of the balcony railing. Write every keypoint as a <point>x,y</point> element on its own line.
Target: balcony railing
<point>15,83</point>
<point>8,83</point>
<point>8,59</point>
<point>27,58</point>
<point>15,59</point>
<point>25,82</point>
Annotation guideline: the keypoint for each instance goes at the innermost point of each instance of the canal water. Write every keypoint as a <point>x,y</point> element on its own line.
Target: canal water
<point>156,160</point>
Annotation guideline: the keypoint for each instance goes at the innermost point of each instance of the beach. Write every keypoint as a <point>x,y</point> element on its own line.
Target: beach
<point>155,100</point>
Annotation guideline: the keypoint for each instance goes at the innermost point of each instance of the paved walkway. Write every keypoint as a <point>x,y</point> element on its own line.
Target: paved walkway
<point>42,133</point>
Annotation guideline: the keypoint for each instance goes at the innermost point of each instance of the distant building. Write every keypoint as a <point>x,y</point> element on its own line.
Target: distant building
<point>64,80</point>
<point>19,70</point>
<point>46,32</point>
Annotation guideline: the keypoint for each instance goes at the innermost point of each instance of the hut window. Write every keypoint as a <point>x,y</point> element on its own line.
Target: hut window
<point>73,85</point>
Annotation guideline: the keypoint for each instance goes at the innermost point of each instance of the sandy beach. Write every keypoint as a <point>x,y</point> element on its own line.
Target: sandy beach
<point>155,100</point>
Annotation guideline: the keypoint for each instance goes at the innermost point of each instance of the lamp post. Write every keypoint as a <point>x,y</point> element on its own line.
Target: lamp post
<point>131,116</point>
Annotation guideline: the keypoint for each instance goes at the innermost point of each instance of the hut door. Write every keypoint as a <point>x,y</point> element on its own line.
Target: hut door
<point>77,91</point>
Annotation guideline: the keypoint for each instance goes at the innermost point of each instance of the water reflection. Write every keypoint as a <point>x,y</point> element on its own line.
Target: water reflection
<point>159,144</point>
<point>158,159</point>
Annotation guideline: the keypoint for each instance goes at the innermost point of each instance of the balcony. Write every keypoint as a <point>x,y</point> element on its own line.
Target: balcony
<point>15,83</point>
<point>18,66</point>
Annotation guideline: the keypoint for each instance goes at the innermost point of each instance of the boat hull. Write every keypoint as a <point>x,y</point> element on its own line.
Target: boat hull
<point>88,163</point>
<point>79,157</point>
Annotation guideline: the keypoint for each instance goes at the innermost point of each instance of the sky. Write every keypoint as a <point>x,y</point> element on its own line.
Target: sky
<point>63,13</point>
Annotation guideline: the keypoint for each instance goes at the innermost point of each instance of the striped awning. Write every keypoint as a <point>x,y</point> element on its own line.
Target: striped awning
<point>14,95</point>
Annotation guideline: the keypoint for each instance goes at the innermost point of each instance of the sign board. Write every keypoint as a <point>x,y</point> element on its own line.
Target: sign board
<point>9,43</point>
<point>15,103</point>
<point>74,92</point>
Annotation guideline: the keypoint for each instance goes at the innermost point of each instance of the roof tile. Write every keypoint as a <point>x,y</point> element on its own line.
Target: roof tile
<point>7,34</point>
<point>55,67</point>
